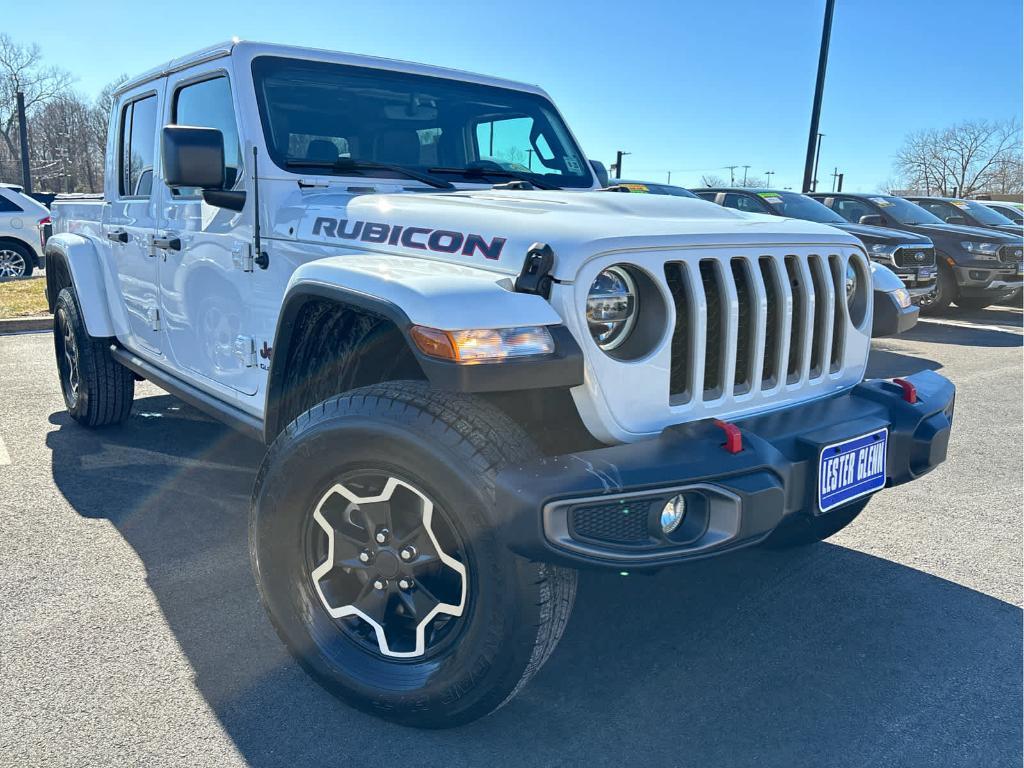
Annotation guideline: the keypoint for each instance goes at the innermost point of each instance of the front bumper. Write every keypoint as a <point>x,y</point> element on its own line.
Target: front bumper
<point>989,281</point>
<point>890,318</point>
<point>738,498</point>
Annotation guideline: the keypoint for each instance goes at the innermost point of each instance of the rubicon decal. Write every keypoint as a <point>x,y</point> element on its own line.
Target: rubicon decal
<point>420,238</point>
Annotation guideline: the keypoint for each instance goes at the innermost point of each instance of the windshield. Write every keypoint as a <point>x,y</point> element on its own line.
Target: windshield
<point>318,112</point>
<point>983,213</point>
<point>904,211</point>
<point>797,206</point>
<point>652,189</point>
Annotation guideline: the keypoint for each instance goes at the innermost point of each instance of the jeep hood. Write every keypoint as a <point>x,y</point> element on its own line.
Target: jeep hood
<point>494,229</point>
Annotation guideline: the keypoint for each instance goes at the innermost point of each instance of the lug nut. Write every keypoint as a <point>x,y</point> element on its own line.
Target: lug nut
<point>379,584</point>
<point>364,556</point>
<point>408,553</point>
<point>382,535</point>
<point>405,584</point>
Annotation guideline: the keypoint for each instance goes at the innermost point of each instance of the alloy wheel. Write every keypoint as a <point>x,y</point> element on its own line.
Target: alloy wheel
<point>67,358</point>
<point>12,263</point>
<point>387,566</point>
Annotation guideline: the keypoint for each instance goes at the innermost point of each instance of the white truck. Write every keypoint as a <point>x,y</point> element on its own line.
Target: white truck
<point>476,372</point>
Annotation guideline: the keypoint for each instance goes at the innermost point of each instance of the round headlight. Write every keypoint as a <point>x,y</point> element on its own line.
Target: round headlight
<point>851,283</point>
<point>612,307</point>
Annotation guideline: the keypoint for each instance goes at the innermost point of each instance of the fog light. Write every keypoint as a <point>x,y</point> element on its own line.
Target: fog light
<point>672,514</point>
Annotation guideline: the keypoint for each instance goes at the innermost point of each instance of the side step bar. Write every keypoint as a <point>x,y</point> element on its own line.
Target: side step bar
<point>235,418</point>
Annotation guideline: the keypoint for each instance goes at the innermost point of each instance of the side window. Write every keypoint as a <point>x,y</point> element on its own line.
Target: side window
<point>851,209</point>
<point>506,141</point>
<point>709,196</point>
<point>208,104</point>
<point>940,209</point>
<point>741,203</point>
<point>8,206</point>
<point>138,147</point>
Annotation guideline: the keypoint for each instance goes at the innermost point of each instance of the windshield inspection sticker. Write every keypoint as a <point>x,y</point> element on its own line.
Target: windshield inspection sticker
<point>960,204</point>
<point>880,201</point>
<point>572,164</point>
<point>642,188</point>
<point>771,197</point>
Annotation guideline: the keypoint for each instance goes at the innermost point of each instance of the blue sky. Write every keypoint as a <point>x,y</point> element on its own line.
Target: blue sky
<point>685,86</point>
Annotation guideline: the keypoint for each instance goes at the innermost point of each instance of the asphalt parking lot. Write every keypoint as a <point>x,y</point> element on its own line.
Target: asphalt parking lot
<point>131,633</point>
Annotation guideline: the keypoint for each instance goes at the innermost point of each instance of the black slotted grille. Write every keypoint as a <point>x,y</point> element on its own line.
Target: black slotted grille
<point>772,334</point>
<point>682,347</point>
<point>714,336</point>
<point>744,331</point>
<point>796,327</point>
<point>820,313</point>
<point>839,312</point>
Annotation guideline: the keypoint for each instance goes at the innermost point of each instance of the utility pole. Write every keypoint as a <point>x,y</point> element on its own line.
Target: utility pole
<point>26,173</point>
<point>669,178</point>
<point>529,159</point>
<point>745,175</point>
<point>618,162</point>
<point>817,155</point>
<point>835,178</point>
<point>732,174</point>
<point>840,189</point>
<point>769,174</point>
<point>819,87</point>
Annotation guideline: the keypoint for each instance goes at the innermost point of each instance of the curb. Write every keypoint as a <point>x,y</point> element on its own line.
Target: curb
<point>20,324</point>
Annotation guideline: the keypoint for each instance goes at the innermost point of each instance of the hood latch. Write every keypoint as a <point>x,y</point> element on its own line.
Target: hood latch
<point>535,276</point>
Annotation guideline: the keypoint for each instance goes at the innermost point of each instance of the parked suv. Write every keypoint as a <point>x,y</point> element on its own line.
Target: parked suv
<point>969,213</point>
<point>474,374</point>
<point>20,242</point>
<point>911,256</point>
<point>977,267</point>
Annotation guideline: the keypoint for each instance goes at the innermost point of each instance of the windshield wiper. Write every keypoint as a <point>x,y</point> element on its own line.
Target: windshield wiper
<point>474,172</point>
<point>348,165</point>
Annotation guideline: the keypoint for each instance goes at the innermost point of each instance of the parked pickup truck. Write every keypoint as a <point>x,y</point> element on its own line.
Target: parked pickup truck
<point>475,371</point>
<point>977,267</point>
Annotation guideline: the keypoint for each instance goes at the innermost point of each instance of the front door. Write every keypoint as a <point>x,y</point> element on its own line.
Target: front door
<point>131,217</point>
<point>205,262</point>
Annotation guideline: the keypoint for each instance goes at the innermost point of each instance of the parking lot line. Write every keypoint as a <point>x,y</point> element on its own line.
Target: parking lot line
<point>975,326</point>
<point>5,457</point>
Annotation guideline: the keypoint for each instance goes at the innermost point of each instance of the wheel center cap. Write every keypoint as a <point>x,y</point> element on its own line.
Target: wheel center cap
<point>387,564</point>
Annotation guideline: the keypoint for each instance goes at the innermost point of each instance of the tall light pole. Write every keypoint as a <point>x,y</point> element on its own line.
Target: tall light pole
<point>819,87</point>
<point>745,167</point>
<point>618,162</point>
<point>817,155</point>
<point>769,174</point>
<point>669,181</point>
<point>26,173</point>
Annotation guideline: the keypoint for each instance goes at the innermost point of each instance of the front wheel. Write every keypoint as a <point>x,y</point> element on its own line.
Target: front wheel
<point>944,293</point>
<point>15,261</point>
<point>376,548</point>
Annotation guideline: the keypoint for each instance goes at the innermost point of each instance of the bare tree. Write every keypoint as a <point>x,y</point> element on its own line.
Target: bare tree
<point>710,180</point>
<point>22,69</point>
<point>752,182</point>
<point>966,158</point>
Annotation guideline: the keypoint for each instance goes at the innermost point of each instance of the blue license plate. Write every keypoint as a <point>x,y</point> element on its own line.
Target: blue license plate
<point>925,273</point>
<point>851,469</point>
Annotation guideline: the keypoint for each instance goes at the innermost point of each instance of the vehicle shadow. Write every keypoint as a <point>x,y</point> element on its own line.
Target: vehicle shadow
<point>825,656</point>
<point>934,332</point>
<point>889,359</point>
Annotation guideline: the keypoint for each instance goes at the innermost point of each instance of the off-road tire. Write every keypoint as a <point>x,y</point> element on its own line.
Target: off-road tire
<point>945,291</point>
<point>105,387</point>
<point>803,529</point>
<point>451,446</point>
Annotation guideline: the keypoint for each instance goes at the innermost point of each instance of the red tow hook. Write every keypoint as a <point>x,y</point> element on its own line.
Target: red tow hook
<point>909,390</point>
<point>733,437</point>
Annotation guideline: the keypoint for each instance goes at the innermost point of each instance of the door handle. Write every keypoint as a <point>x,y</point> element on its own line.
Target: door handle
<point>167,243</point>
<point>117,235</point>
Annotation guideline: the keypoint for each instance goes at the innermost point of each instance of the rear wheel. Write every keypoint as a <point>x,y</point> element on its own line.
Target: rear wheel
<point>376,548</point>
<point>15,261</point>
<point>944,293</point>
<point>801,530</point>
<point>98,391</point>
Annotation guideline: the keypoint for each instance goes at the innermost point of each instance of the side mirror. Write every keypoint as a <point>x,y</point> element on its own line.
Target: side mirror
<point>871,219</point>
<point>956,219</point>
<point>194,157</point>
<point>600,171</point>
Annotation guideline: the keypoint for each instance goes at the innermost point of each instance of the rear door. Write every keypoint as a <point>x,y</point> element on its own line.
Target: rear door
<point>131,218</point>
<point>205,268</point>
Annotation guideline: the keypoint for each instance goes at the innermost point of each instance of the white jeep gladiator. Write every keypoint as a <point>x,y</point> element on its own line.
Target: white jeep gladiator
<point>476,371</point>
